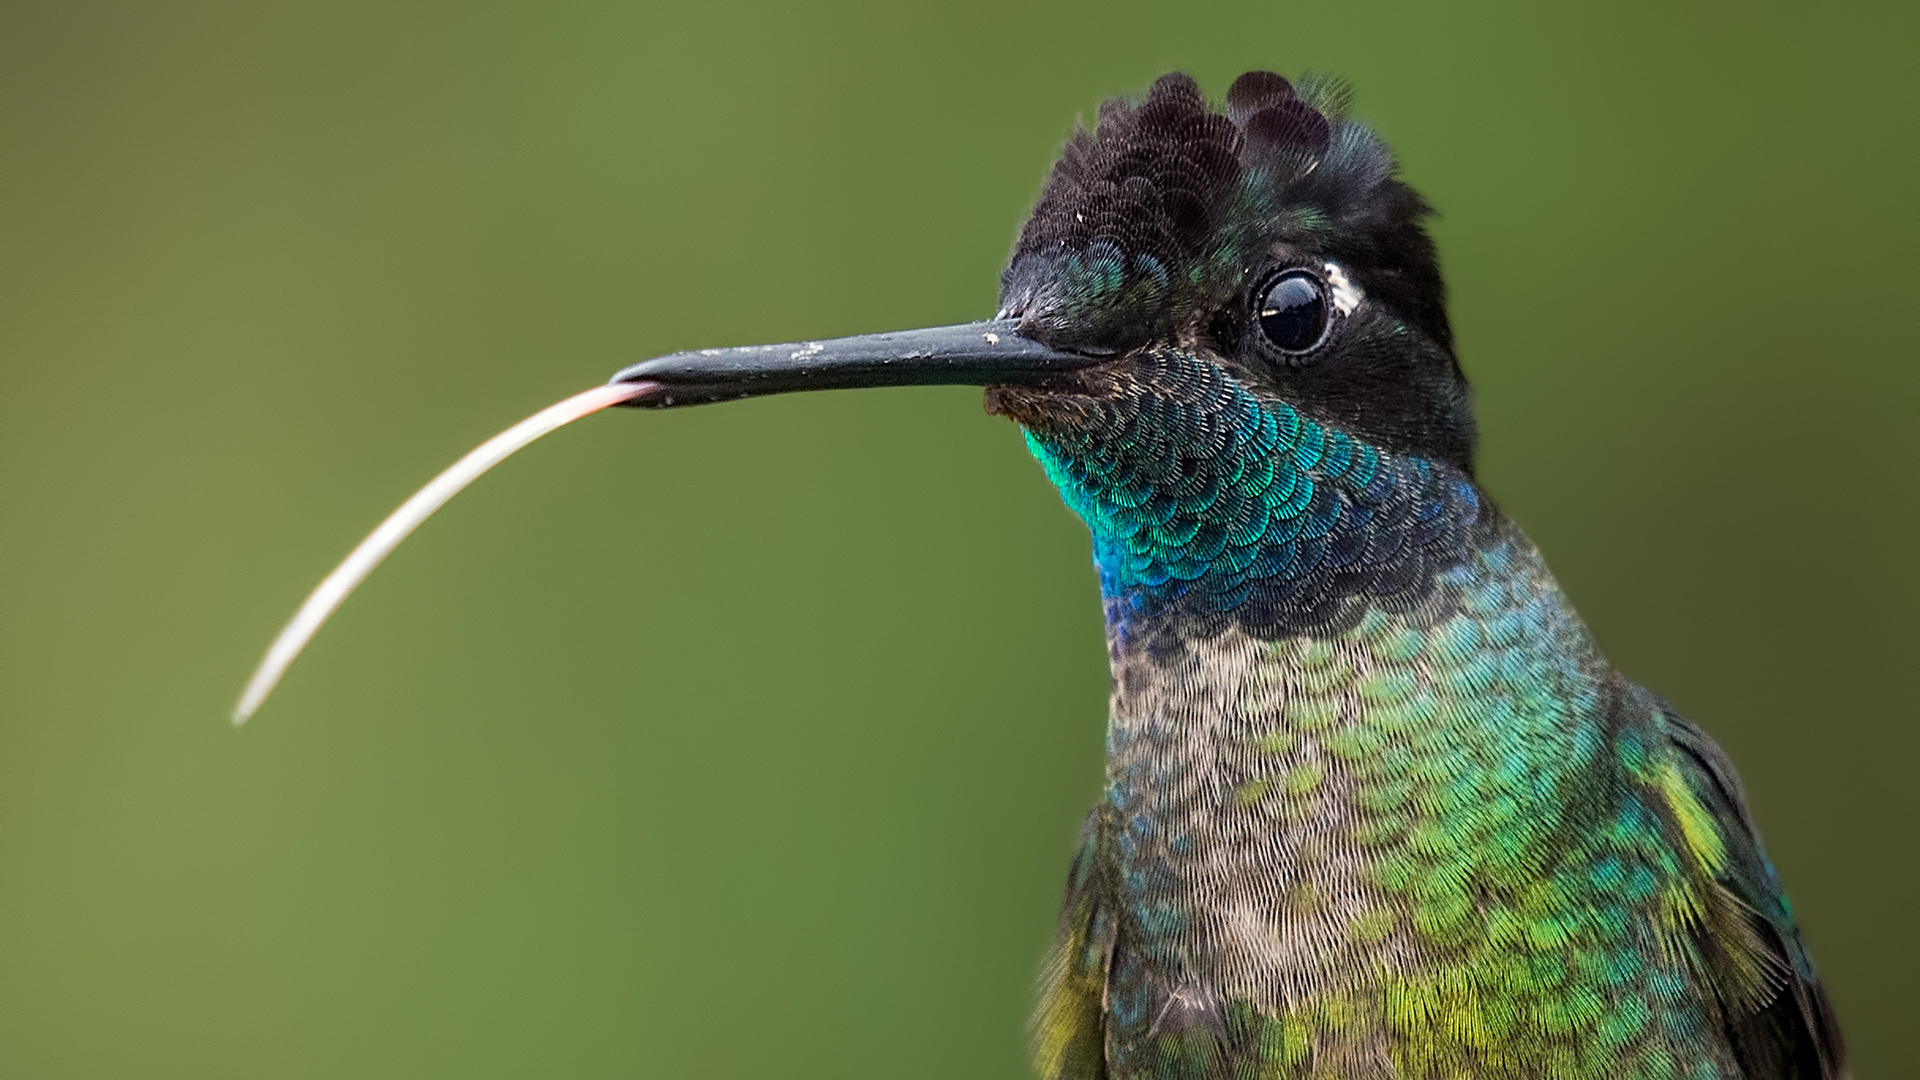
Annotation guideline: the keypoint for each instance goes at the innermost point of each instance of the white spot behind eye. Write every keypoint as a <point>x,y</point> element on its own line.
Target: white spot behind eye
<point>1346,295</point>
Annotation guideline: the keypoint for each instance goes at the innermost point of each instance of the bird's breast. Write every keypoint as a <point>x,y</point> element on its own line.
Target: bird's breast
<point>1287,817</point>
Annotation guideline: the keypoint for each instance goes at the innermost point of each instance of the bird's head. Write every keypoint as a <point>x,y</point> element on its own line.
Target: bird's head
<point>1269,242</point>
<point>1224,333</point>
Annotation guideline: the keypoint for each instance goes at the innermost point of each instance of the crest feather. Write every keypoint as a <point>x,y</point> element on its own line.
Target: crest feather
<point>1159,209</point>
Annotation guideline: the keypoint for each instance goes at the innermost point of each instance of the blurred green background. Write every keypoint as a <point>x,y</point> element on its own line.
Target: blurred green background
<point>752,740</point>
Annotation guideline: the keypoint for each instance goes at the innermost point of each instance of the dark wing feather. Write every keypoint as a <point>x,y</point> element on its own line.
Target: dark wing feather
<point>1777,1016</point>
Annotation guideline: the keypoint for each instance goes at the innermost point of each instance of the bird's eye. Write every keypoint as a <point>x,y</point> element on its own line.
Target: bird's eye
<point>1293,311</point>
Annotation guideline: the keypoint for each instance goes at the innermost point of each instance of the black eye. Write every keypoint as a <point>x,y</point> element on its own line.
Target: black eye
<point>1293,311</point>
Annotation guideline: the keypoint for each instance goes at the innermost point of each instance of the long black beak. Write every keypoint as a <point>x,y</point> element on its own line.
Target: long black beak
<point>971,354</point>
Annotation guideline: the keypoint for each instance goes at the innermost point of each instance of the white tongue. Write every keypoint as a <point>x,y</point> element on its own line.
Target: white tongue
<point>381,541</point>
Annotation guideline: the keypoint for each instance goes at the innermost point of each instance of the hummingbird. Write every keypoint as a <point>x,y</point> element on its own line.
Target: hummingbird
<point>1376,805</point>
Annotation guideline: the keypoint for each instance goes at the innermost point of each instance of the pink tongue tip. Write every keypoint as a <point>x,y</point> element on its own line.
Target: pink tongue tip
<point>329,594</point>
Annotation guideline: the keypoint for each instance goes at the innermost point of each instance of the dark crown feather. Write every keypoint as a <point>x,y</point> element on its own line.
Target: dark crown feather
<point>1160,210</point>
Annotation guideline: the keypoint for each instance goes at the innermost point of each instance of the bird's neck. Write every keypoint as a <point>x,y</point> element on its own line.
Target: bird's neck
<point>1211,508</point>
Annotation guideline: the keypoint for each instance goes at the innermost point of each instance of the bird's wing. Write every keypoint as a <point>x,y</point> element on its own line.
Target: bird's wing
<point>1777,1016</point>
<point>1069,1026</point>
